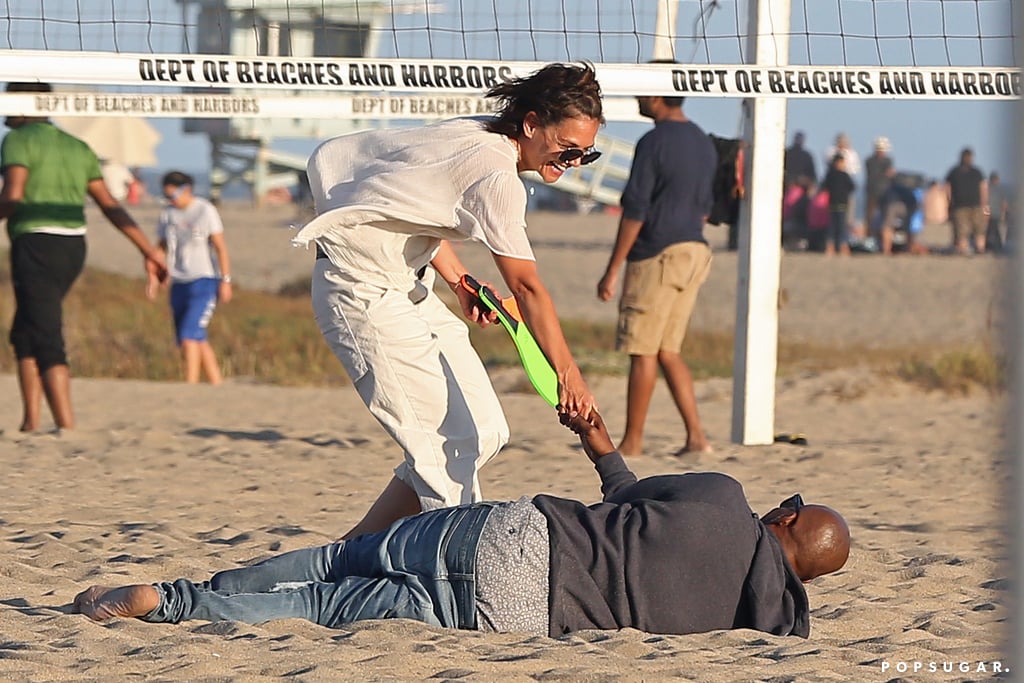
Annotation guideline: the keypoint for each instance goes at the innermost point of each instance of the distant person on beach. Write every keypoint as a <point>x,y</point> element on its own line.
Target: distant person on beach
<point>897,206</point>
<point>669,554</point>
<point>798,164</point>
<point>935,204</point>
<point>879,171</point>
<point>818,219</point>
<point>998,213</point>
<point>794,217</point>
<point>915,245</point>
<point>192,235</point>
<point>843,148</point>
<point>389,202</point>
<point>799,177</point>
<point>967,192</point>
<point>117,177</point>
<point>47,175</point>
<point>839,186</point>
<point>661,242</point>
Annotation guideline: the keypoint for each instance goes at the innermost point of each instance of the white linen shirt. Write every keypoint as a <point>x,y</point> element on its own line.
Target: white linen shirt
<point>407,189</point>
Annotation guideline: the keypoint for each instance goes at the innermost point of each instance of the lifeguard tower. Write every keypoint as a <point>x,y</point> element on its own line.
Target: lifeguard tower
<point>241,148</point>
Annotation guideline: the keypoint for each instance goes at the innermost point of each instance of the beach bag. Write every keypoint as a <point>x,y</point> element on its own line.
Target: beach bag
<point>817,211</point>
<point>790,200</point>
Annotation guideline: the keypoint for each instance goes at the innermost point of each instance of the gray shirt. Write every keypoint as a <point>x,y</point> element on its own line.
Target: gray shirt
<point>512,562</point>
<point>187,234</point>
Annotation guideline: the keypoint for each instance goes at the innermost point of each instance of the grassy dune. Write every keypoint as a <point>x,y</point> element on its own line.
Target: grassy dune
<point>113,331</point>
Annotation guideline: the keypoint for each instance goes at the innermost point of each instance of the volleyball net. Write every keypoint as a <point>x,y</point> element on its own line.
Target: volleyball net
<point>277,58</point>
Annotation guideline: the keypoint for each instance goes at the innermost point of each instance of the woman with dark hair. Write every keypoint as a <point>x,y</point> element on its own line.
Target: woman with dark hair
<point>388,203</point>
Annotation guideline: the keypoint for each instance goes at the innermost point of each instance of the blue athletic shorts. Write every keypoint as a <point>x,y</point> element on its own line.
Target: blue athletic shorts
<point>192,305</point>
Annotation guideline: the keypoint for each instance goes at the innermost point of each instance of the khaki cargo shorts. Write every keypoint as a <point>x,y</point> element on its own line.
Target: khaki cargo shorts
<point>969,222</point>
<point>658,296</point>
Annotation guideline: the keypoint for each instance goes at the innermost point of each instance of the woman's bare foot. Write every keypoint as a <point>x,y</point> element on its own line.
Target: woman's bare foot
<point>100,603</point>
<point>695,447</point>
<point>630,449</point>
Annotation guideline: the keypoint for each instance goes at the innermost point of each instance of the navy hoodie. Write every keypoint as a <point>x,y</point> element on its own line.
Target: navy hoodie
<point>676,554</point>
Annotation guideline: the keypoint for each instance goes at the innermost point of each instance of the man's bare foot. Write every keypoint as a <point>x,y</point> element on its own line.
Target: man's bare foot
<point>100,603</point>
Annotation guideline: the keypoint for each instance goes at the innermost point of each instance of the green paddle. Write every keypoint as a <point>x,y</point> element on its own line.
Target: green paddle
<point>536,364</point>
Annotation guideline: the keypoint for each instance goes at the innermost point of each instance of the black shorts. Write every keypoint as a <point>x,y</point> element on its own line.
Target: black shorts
<point>43,268</point>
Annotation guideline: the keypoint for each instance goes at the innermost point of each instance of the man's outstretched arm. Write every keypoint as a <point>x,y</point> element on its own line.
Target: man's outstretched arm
<point>618,483</point>
<point>597,444</point>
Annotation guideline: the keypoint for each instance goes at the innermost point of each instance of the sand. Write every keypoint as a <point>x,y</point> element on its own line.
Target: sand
<point>164,480</point>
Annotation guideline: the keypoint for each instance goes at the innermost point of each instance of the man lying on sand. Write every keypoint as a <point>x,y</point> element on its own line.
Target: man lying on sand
<point>676,553</point>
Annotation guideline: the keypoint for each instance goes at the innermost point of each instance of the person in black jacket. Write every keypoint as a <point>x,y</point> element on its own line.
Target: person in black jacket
<point>839,185</point>
<point>798,163</point>
<point>670,554</point>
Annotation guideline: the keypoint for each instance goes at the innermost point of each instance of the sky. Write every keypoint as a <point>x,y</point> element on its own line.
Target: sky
<point>926,136</point>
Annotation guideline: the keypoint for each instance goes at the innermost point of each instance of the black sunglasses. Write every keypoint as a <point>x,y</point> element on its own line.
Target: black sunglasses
<point>570,155</point>
<point>794,503</point>
<point>174,195</point>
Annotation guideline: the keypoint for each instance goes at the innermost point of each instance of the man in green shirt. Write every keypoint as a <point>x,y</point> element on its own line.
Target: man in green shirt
<point>47,175</point>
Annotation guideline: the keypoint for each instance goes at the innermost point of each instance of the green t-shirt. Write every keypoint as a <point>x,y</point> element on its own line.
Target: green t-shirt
<point>60,168</point>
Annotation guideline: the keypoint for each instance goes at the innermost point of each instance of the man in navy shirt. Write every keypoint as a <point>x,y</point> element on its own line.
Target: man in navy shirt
<point>967,191</point>
<point>661,241</point>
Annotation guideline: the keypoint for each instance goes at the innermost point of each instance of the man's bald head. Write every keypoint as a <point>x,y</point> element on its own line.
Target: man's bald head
<point>814,538</point>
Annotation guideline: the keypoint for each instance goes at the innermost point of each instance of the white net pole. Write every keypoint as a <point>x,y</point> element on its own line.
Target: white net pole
<point>665,29</point>
<point>760,239</point>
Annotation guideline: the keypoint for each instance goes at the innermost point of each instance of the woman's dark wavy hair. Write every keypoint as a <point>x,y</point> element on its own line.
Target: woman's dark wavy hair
<point>555,93</point>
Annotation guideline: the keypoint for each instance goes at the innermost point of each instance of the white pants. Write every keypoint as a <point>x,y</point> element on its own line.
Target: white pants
<point>416,371</point>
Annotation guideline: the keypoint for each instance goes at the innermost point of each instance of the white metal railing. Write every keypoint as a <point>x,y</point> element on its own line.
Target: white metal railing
<point>601,182</point>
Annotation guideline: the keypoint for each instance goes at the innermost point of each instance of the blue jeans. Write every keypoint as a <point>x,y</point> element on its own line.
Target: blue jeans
<point>422,568</point>
<point>838,230</point>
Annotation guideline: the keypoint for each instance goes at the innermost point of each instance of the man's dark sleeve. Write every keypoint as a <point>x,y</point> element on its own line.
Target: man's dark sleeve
<point>636,197</point>
<point>614,473</point>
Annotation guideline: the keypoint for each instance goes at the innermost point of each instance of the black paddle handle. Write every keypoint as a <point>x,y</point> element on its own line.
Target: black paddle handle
<point>482,291</point>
